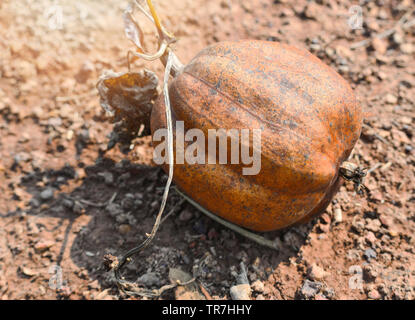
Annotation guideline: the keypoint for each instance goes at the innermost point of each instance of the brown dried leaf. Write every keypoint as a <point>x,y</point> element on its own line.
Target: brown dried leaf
<point>129,97</point>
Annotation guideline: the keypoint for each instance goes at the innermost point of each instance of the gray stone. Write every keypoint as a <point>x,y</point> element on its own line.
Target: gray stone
<point>46,194</point>
<point>185,215</point>
<point>128,202</point>
<point>370,254</point>
<point>108,177</point>
<point>241,292</point>
<point>149,279</point>
<point>68,203</point>
<point>258,286</point>
<point>310,288</point>
<point>114,209</point>
<point>78,208</point>
<point>34,202</point>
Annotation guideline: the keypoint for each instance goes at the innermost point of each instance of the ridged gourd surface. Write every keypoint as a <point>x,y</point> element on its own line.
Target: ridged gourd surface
<point>308,114</point>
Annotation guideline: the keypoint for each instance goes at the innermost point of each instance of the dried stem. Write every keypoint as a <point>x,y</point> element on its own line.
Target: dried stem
<point>122,283</point>
<point>165,39</point>
<point>247,234</point>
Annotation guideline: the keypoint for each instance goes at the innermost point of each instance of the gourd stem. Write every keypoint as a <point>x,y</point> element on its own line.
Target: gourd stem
<point>156,18</point>
<point>176,67</point>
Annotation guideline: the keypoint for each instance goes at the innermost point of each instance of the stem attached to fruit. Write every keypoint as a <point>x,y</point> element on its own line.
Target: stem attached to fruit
<point>247,234</point>
<point>165,39</point>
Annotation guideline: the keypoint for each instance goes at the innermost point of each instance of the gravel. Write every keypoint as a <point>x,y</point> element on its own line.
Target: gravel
<point>310,288</point>
<point>241,292</point>
<point>46,194</point>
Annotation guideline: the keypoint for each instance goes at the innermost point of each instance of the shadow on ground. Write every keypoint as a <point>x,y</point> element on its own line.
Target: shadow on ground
<point>187,239</point>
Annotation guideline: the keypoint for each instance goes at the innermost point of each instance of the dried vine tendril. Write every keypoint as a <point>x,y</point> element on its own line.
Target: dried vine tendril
<point>134,33</point>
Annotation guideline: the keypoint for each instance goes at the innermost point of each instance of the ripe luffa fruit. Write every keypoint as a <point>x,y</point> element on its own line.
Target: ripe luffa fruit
<point>310,122</point>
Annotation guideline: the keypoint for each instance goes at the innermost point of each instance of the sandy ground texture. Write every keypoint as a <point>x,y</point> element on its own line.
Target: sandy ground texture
<point>57,176</point>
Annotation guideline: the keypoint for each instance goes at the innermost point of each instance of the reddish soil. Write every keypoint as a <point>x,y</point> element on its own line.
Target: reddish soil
<point>56,173</point>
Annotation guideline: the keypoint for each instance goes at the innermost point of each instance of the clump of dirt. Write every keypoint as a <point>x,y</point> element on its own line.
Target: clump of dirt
<point>67,199</point>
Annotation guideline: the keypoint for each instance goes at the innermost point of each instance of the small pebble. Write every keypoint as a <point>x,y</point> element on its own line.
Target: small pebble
<point>338,216</point>
<point>241,292</point>
<point>373,225</point>
<point>68,203</point>
<point>374,294</point>
<point>27,271</point>
<point>114,209</point>
<point>325,228</point>
<point>370,254</point>
<point>124,228</point>
<point>385,220</point>
<point>108,177</point>
<point>149,279</point>
<point>78,208</point>
<point>370,273</point>
<point>316,273</point>
<point>391,99</point>
<point>185,215</point>
<point>310,288</point>
<point>325,218</point>
<point>258,286</point>
<point>42,246</point>
<point>46,194</point>
<point>370,238</point>
<point>379,45</point>
<point>407,48</point>
<point>34,202</point>
<point>397,38</point>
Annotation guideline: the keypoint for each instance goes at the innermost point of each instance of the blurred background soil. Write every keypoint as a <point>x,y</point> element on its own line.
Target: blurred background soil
<point>57,176</point>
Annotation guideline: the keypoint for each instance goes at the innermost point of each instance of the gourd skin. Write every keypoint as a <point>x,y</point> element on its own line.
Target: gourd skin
<point>310,122</point>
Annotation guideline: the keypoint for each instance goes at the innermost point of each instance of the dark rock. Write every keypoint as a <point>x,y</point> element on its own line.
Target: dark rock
<point>149,279</point>
<point>200,227</point>
<point>185,215</point>
<point>78,208</point>
<point>114,209</point>
<point>108,177</point>
<point>128,202</point>
<point>34,202</point>
<point>68,203</point>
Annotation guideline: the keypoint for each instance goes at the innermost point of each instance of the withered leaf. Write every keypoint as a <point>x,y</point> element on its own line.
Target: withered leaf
<point>132,29</point>
<point>129,96</point>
